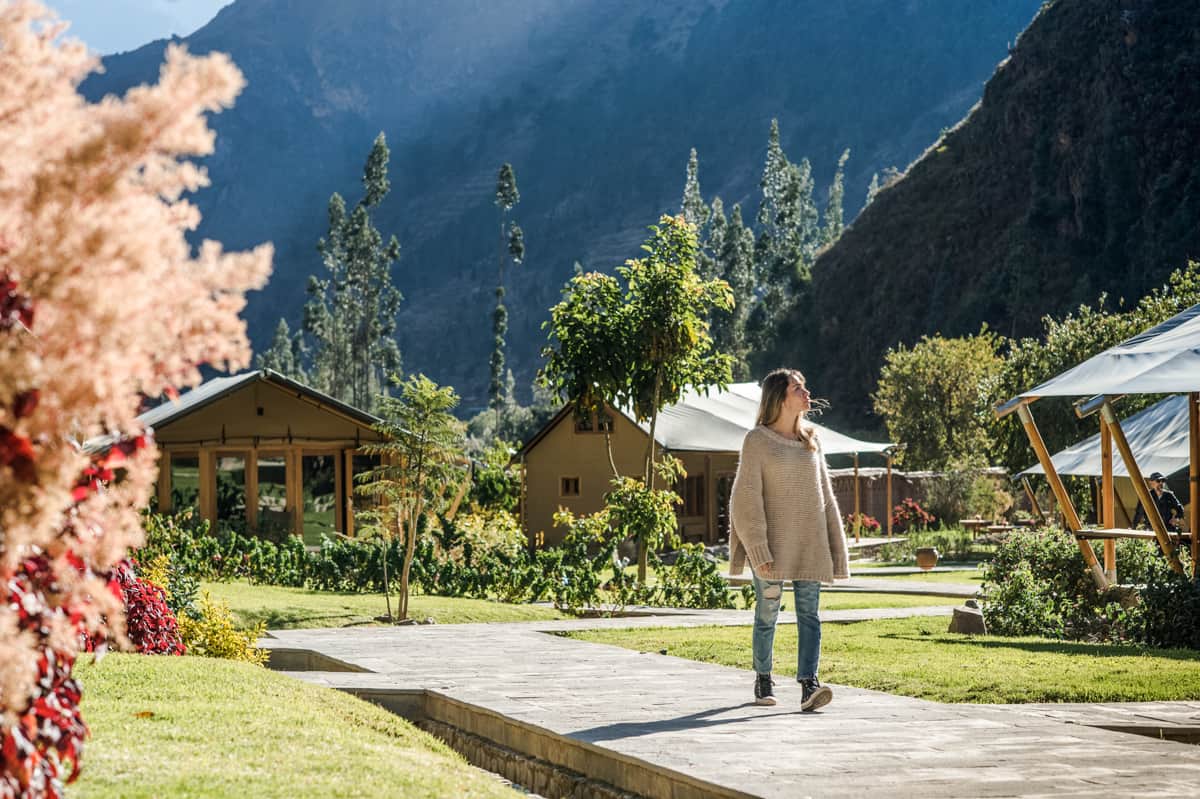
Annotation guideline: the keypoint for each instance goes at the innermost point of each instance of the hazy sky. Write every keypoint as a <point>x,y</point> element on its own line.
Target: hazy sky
<point>113,26</point>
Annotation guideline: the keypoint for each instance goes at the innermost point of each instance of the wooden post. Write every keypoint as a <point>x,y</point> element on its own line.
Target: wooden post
<point>1194,475</point>
<point>348,502</point>
<point>1139,485</point>
<point>207,493</point>
<point>339,489</point>
<point>857,509</point>
<point>889,494</point>
<point>164,481</point>
<point>295,489</point>
<point>1108,516</point>
<point>1033,503</point>
<point>251,466</point>
<point>1060,493</point>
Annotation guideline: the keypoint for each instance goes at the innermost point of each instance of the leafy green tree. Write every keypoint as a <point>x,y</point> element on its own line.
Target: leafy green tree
<point>936,398</point>
<point>350,317</point>
<point>512,246</point>
<point>512,421</point>
<point>789,236</point>
<point>698,214</point>
<point>285,355</point>
<point>890,175</point>
<point>834,218</point>
<point>735,265</point>
<point>692,207</point>
<point>639,339</point>
<point>421,454</point>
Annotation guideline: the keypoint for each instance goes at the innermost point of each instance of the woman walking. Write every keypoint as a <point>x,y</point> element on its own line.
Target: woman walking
<point>786,522</point>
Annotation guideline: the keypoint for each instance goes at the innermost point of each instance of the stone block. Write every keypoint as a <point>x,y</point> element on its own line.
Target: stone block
<point>968,621</point>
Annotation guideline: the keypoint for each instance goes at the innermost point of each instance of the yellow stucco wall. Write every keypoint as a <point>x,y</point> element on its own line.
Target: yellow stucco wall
<point>564,453</point>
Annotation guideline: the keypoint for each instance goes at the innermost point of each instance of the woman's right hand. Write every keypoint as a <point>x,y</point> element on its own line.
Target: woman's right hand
<point>764,571</point>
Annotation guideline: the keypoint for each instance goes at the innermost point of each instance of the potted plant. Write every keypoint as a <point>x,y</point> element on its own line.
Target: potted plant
<point>927,557</point>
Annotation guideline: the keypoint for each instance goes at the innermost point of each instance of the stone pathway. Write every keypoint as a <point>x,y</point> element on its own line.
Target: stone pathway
<point>884,585</point>
<point>663,726</point>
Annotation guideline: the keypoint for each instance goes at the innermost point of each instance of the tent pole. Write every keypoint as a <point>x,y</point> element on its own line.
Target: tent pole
<point>889,495</point>
<point>1108,516</point>
<point>857,509</point>
<point>1139,485</point>
<point>1194,475</point>
<point>1037,509</point>
<point>1060,493</point>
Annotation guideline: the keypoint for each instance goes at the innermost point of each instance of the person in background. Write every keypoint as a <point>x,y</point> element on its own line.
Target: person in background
<point>1169,506</point>
<point>786,523</point>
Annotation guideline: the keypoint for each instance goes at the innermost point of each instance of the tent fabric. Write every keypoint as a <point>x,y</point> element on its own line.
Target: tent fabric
<point>719,420</point>
<point>1162,360</point>
<point>1157,435</point>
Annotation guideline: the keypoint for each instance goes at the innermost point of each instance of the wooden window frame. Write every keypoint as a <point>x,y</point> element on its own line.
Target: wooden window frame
<point>562,486</point>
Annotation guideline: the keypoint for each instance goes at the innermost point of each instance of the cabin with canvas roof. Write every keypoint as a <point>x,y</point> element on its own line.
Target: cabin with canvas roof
<point>263,454</point>
<point>566,463</point>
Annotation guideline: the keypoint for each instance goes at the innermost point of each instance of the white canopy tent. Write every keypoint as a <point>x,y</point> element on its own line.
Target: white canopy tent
<point>717,421</point>
<point>1163,359</point>
<point>1157,435</point>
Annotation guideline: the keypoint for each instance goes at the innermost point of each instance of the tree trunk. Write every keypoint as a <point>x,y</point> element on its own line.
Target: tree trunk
<point>410,548</point>
<point>648,483</point>
<point>387,594</point>
<point>608,448</point>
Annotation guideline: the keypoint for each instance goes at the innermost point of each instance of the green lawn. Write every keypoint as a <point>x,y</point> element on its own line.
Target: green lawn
<point>917,657</point>
<point>197,727</point>
<point>283,608</point>
<point>296,608</point>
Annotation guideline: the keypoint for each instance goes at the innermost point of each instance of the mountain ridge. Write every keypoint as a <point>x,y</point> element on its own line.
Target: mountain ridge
<point>596,107</point>
<point>1075,175</point>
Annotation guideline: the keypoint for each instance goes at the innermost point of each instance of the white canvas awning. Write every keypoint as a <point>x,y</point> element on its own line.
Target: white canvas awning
<point>1162,360</point>
<point>718,421</point>
<point>1157,435</point>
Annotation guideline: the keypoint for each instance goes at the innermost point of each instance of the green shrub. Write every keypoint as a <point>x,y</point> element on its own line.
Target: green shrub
<point>213,633</point>
<point>1037,584</point>
<point>1169,612</point>
<point>1019,605</point>
<point>692,581</point>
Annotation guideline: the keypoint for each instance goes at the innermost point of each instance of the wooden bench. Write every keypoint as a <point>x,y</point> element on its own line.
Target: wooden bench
<point>1120,532</point>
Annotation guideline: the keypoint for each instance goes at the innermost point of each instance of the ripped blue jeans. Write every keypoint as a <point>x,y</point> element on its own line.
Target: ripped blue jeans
<point>767,596</point>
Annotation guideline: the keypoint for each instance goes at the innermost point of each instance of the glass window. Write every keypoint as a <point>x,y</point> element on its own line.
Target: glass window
<point>318,475</point>
<point>568,487</point>
<point>361,464</point>
<point>231,491</point>
<point>274,521</point>
<point>691,489</point>
<point>185,482</point>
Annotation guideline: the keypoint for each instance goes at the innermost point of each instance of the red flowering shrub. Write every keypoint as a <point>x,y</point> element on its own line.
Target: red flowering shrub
<point>50,732</point>
<point>102,301</point>
<point>909,515</point>
<point>868,524</point>
<point>150,625</point>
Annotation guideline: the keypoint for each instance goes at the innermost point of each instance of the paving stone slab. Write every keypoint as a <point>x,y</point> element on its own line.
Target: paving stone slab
<point>695,719</point>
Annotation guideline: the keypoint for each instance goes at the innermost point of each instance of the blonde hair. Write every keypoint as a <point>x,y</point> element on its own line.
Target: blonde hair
<point>770,405</point>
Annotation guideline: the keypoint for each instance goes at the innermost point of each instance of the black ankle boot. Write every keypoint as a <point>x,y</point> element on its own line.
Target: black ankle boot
<point>814,695</point>
<point>764,694</point>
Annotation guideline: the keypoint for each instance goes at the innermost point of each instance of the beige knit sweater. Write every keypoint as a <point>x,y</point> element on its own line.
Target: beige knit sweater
<point>784,511</point>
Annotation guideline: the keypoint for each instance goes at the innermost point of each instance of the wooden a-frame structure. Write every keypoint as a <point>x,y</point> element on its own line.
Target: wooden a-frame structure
<point>1162,360</point>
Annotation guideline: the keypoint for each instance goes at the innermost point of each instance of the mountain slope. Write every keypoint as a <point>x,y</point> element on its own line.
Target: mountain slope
<point>1076,174</point>
<point>594,102</point>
